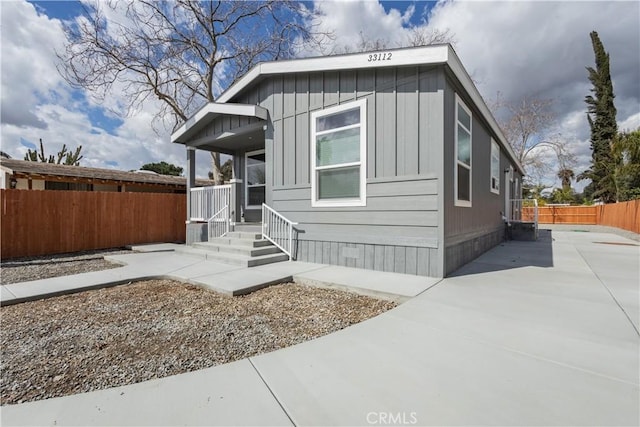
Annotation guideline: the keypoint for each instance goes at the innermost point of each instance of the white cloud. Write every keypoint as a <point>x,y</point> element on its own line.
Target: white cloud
<point>347,20</point>
<point>523,48</point>
<point>37,102</point>
<point>542,48</point>
<point>27,73</point>
<point>517,48</point>
<point>631,123</point>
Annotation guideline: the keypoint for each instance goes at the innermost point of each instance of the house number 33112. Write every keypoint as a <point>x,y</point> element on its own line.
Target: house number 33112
<point>379,57</point>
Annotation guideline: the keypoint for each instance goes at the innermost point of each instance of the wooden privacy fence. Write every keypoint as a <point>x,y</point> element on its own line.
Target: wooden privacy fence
<point>567,215</point>
<point>48,222</point>
<point>624,215</point>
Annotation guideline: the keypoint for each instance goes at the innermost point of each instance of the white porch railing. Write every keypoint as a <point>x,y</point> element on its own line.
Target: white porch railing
<point>207,201</point>
<point>278,230</point>
<point>220,223</point>
<point>528,214</point>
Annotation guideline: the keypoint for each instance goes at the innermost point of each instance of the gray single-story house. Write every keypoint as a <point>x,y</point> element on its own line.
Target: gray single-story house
<point>384,160</point>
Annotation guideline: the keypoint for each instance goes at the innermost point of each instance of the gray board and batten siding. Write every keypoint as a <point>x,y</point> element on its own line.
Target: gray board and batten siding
<point>398,229</point>
<point>471,230</point>
<point>410,222</point>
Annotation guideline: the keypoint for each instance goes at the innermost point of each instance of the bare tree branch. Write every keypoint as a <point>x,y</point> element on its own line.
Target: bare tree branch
<point>528,126</point>
<point>182,53</point>
<point>425,36</point>
<point>418,36</point>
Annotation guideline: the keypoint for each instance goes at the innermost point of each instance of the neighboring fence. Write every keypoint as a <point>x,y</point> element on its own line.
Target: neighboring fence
<point>48,222</point>
<point>624,215</point>
<point>567,215</point>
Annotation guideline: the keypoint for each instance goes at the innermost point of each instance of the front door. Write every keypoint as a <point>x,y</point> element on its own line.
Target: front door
<point>255,185</point>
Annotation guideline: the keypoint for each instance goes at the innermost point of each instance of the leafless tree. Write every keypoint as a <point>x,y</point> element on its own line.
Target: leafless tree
<point>418,36</point>
<point>181,52</point>
<point>424,36</point>
<point>529,127</point>
<point>364,44</point>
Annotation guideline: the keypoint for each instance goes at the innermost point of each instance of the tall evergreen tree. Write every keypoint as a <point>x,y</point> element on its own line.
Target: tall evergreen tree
<point>601,114</point>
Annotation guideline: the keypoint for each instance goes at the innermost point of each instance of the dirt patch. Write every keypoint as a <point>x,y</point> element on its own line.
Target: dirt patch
<point>152,329</point>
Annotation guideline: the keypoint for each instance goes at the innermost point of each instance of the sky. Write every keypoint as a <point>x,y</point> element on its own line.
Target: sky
<point>515,48</point>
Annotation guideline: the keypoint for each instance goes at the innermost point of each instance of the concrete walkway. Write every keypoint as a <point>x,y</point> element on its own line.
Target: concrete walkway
<point>542,333</point>
<point>159,261</point>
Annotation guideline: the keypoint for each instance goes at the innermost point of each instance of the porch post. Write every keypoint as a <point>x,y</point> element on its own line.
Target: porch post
<point>191,178</point>
<point>236,190</point>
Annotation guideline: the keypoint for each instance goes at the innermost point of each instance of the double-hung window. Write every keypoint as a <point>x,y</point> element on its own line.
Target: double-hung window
<point>495,167</point>
<point>338,155</point>
<point>463,150</point>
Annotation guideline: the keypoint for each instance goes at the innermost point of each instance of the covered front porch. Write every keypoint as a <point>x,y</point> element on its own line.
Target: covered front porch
<point>238,131</point>
<point>235,130</point>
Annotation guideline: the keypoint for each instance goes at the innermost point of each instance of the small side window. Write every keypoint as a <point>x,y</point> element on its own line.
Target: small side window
<point>463,150</point>
<point>495,167</point>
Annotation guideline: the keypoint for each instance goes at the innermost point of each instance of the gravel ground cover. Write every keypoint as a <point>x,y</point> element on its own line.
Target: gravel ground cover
<point>43,267</point>
<point>156,328</point>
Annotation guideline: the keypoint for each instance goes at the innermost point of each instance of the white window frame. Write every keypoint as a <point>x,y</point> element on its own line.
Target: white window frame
<point>462,203</point>
<point>495,149</point>
<point>362,199</point>
<point>246,179</point>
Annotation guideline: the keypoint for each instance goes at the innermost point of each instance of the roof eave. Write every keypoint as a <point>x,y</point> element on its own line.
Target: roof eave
<point>427,55</point>
<point>212,110</point>
<point>461,74</point>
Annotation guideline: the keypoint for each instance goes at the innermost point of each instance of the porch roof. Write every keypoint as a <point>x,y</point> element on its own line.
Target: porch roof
<point>189,129</point>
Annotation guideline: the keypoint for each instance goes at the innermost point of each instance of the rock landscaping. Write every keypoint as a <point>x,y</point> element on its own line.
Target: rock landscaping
<point>44,267</point>
<point>131,333</point>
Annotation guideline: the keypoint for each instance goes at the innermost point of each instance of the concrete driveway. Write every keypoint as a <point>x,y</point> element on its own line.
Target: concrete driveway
<point>542,333</point>
<point>528,334</point>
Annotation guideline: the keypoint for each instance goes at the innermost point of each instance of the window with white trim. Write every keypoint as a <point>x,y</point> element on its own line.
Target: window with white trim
<point>495,167</point>
<point>338,155</point>
<point>462,173</point>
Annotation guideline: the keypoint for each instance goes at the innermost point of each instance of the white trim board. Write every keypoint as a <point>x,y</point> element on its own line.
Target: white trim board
<point>211,111</point>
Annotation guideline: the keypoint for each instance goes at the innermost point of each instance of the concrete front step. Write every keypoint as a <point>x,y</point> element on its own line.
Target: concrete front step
<point>240,242</point>
<point>234,258</point>
<point>244,235</point>
<point>235,248</point>
<point>245,248</point>
<point>248,227</point>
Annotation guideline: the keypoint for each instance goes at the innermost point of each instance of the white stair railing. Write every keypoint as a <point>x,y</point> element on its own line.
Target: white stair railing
<point>206,201</point>
<point>219,224</point>
<point>278,230</point>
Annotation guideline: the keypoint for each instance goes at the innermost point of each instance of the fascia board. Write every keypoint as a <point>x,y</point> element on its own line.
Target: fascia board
<point>413,56</point>
<point>214,109</point>
<point>463,77</point>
